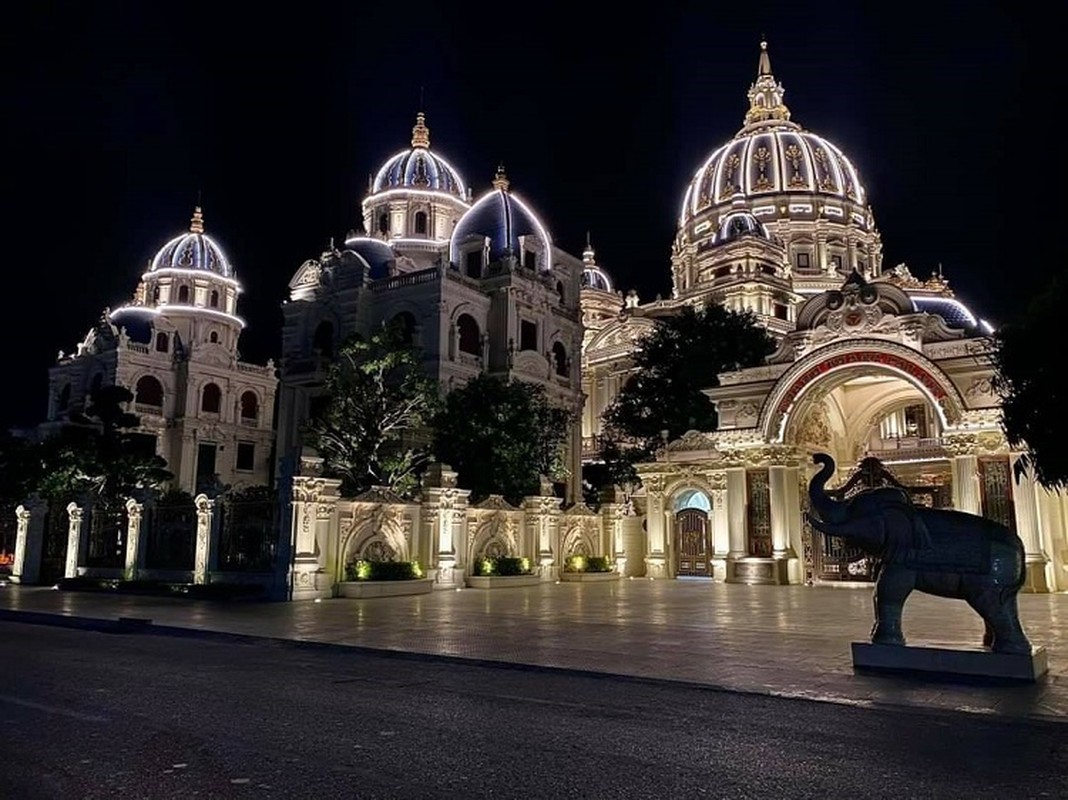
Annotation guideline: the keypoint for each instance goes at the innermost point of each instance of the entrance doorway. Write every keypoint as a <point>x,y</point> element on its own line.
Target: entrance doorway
<point>693,549</point>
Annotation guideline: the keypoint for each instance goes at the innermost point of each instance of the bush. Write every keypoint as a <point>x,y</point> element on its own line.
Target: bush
<point>582,563</point>
<point>154,588</point>
<point>383,571</point>
<point>503,565</point>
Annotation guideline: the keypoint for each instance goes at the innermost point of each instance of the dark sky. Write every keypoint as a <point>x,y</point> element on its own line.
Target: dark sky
<point>119,115</point>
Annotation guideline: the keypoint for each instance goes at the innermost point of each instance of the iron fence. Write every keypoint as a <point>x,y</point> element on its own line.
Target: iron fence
<point>171,536</point>
<point>248,538</point>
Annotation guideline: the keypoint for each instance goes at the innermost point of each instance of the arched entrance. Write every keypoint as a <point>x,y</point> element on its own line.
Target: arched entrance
<point>693,539</point>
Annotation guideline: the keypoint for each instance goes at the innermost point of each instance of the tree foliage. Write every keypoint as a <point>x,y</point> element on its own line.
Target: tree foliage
<point>1029,376</point>
<point>20,469</point>
<point>501,436</point>
<point>101,454</point>
<point>372,430</point>
<point>674,363</point>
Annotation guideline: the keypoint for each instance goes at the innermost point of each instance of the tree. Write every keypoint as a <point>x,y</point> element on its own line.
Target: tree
<point>501,436</point>
<point>372,431</point>
<point>674,363</point>
<point>1030,379</point>
<point>19,470</point>
<point>102,454</point>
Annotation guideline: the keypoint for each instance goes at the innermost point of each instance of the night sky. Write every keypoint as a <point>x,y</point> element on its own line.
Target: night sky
<point>120,116</point>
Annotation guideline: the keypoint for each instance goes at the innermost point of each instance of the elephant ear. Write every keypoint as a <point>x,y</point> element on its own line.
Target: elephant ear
<point>904,528</point>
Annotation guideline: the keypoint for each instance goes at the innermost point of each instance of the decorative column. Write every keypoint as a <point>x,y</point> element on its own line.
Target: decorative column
<point>1040,576</point>
<point>720,527</point>
<point>202,559</point>
<point>966,483</point>
<point>29,539</point>
<point>656,546</point>
<point>736,543</point>
<point>315,534</point>
<point>445,509</point>
<point>777,499</point>
<point>612,525</point>
<point>795,569</point>
<point>135,556</point>
<point>542,514</point>
<point>74,539</point>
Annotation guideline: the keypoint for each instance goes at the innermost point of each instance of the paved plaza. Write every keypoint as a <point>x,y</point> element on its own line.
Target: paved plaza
<point>790,641</point>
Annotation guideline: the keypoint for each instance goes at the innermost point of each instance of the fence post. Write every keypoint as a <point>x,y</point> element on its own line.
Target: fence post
<point>135,537</point>
<point>74,539</point>
<point>29,539</point>
<point>205,529</point>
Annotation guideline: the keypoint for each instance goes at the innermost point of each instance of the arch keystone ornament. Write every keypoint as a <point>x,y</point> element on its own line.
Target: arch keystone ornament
<point>941,552</point>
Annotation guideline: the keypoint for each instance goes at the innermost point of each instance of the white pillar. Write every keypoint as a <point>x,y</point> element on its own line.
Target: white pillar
<point>966,483</point>
<point>720,526</point>
<point>736,491</point>
<point>444,508</point>
<point>777,499</point>
<point>655,555</point>
<point>201,561</point>
<point>29,539</point>
<point>74,540</point>
<point>135,556</point>
<point>1025,504</point>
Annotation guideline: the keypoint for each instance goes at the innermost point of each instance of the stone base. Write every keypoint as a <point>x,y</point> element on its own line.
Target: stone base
<point>944,662</point>
<point>758,571</point>
<point>357,589</point>
<point>589,577</point>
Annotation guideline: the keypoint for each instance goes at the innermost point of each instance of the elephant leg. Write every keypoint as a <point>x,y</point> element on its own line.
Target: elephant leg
<point>1001,616</point>
<point>891,590</point>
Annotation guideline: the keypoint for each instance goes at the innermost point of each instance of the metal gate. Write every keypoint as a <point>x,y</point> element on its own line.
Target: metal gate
<point>691,543</point>
<point>54,546</point>
<point>9,528</point>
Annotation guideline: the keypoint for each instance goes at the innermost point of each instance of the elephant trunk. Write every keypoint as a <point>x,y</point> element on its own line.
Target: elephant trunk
<point>827,509</point>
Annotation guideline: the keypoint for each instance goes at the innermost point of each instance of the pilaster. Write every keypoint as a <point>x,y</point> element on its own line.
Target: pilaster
<point>966,483</point>
<point>74,539</point>
<point>542,517</point>
<point>656,547</point>
<point>736,543</point>
<point>315,534</point>
<point>202,560</point>
<point>135,552</point>
<point>1040,576</point>
<point>445,515</point>
<point>29,539</point>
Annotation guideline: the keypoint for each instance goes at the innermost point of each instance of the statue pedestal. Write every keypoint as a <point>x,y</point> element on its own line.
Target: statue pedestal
<point>944,662</point>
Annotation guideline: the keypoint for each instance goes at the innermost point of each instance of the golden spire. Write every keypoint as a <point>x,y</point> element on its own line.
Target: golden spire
<point>766,94</point>
<point>196,224</point>
<point>587,254</point>
<point>500,180</point>
<point>420,133</point>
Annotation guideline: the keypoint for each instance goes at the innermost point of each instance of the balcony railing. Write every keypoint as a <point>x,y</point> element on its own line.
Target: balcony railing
<point>908,448</point>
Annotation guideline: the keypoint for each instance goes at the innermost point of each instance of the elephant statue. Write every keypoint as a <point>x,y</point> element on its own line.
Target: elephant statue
<point>942,552</point>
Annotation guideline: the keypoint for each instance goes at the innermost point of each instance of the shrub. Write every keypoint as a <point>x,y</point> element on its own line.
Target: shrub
<point>582,563</point>
<point>503,565</point>
<point>383,571</point>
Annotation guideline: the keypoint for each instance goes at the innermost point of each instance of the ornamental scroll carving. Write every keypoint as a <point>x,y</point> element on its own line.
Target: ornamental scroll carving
<point>979,443</point>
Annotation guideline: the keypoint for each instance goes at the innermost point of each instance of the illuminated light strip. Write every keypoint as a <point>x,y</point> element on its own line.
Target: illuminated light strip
<point>760,211</point>
<point>698,177</point>
<point>855,176</point>
<point>431,158</point>
<point>704,226</point>
<point>386,168</point>
<point>418,193</point>
<point>833,152</point>
<point>168,308</point>
<point>173,243</point>
<point>957,304</point>
<point>546,241</point>
<point>206,274</point>
<point>833,211</point>
<point>800,208</point>
<point>410,240</point>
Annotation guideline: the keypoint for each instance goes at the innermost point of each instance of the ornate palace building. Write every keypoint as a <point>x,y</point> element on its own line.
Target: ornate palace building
<point>477,284</point>
<point>870,362</point>
<point>209,414</point>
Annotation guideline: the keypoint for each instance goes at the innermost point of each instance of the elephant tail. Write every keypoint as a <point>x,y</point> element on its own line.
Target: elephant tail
<point>1021,577</point>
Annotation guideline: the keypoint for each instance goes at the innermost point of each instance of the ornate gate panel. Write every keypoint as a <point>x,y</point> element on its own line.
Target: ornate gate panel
<point>54,546</point>
<point>758,527</point>
<point>995,485</point>
<point>691,543</point>
<point>9,527</point>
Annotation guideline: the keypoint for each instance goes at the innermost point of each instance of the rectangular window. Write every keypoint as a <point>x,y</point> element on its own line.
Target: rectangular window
<point>780,311</point>
<point>802,261</point>
<point>246,457</point>
<point>528,335</point>
<point>473,264</point>
<point>836,261</point>
<point>530,259</point>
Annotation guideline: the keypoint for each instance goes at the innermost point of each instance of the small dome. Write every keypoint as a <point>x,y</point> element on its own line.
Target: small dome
<point>137,321</point>
<point>593,277</point>
<point>738,224</point>
<point>953,312</point>
<point>193,250</point>
<point>378,255</point>
<point>500,218</point>
<point>418,168</point>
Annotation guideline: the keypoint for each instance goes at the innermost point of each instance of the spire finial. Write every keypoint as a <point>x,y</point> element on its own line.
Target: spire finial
<point>766,94</point>
<point>500,180</point>
<point>420,133</point>
<point>587,254</point>
<point>196,224</point>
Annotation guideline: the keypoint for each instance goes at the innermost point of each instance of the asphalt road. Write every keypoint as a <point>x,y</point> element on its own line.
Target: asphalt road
<point>99,714</point>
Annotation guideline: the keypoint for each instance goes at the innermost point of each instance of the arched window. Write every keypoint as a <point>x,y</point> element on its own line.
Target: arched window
<point>63,400</point>
<point>404,326</point>
<point>162,343</point>
<point>183,294</point>
<point>560,291</point>
<point>148,392</point>
<point>250,406</point>
<point>559,359</point>
<point>470,340</point>
<point>420,222</point>
<point>323,340</point>
<point>155,294</point>
<point>213,300</point>
<point>383,223</point>
<point>211,399</point>
<point>213,337</point>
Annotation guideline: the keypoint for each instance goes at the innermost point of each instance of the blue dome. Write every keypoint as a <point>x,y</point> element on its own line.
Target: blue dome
<point>418,168</point>
<point>501,218</point>
<point>193,250</point>
<point>596,278</point>
<point>137,321</point>
<point>378,255</point>
<point>738,224</point>
<point>953,312</point>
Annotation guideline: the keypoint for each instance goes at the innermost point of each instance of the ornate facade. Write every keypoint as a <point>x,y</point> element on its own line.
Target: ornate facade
<point>477,284</point>
<point>209,414</point>
<point>869,363</point>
